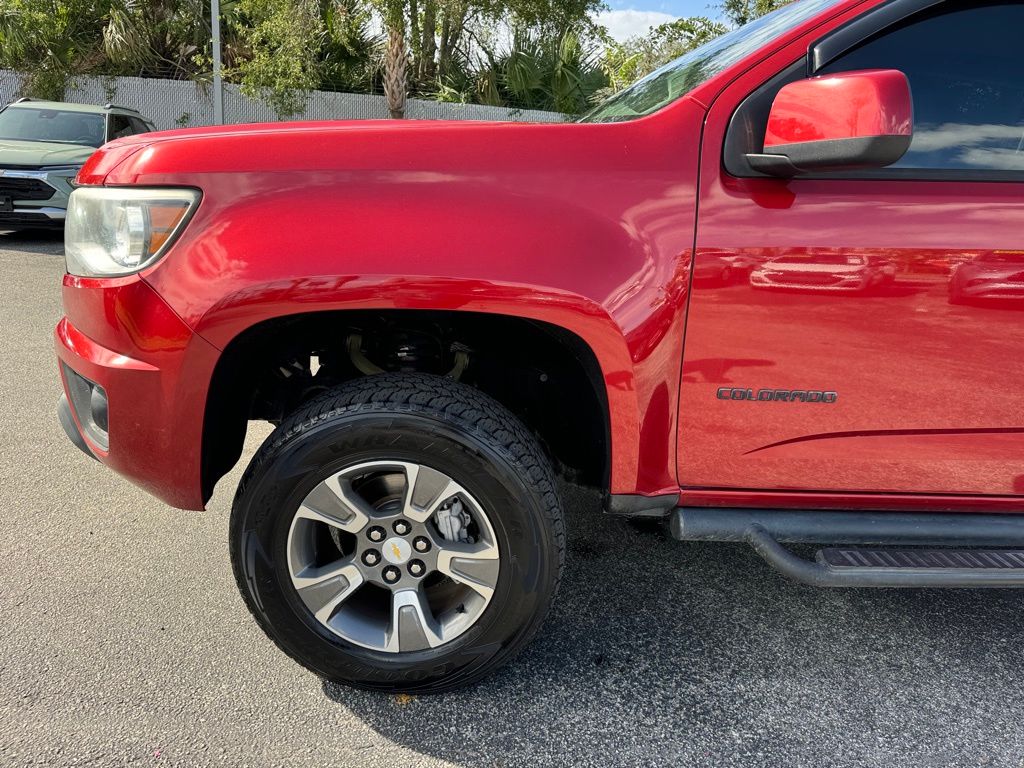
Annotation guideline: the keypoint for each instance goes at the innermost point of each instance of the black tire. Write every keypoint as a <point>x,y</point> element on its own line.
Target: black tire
<point>410,417</point>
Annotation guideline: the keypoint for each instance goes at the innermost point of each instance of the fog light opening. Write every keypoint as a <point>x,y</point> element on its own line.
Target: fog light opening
<point>89,403</point>
<point>98,407</point>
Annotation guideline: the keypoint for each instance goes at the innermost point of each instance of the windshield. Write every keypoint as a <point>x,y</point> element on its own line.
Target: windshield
<point>679,77</point>
<point>57,125</point>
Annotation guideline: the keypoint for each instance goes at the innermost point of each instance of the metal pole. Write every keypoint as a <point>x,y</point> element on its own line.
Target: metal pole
<point>218,88</point>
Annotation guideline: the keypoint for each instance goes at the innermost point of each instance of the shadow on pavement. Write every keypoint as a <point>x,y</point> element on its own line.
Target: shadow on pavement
<point>660,653</point>
<point>48,241</point>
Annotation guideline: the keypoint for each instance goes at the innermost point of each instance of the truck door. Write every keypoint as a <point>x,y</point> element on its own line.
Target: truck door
<point>886,307</point>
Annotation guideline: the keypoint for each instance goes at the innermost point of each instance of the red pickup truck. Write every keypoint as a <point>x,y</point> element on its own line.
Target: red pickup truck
<point>712,298</point>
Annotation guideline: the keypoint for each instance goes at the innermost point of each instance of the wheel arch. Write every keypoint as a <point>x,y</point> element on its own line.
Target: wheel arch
<point>588,352</point>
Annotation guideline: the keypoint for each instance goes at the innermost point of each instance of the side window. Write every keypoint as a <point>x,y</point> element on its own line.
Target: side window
<point>967,79</point>
<point>138,126</point>
<point>120,126</point>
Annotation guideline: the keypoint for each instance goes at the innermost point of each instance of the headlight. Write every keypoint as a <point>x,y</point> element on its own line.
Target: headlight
<point>66,173</point>
<point>120,230</point>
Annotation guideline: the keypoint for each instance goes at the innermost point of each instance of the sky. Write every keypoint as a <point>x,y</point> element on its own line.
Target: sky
<point>626,18</point>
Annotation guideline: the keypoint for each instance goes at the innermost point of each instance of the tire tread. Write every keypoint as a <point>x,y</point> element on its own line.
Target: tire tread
<point>437,397</point>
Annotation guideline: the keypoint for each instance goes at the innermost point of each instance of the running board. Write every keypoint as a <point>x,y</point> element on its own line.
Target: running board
<point>873,566</point>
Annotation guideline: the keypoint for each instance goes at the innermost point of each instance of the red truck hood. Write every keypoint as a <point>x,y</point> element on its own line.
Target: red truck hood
<point>304,126</point>
<point>359,145</point>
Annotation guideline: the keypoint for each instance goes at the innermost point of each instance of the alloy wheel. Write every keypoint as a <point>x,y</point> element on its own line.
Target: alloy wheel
<point>393,556</point>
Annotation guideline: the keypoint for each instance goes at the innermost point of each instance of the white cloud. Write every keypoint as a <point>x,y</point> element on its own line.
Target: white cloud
<point>627,23</point>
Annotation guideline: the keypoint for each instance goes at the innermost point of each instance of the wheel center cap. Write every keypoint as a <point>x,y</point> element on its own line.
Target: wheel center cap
<point>396,550</point>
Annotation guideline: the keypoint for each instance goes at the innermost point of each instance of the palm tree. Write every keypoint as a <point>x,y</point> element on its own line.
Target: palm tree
<point>396,58</point>
<point>157,38</point>
<point>538,71</point>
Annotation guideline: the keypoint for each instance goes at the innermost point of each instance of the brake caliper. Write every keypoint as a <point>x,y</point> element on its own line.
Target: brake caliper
<point>453,521</point>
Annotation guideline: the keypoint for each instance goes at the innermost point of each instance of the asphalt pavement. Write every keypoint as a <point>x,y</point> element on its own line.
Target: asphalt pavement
<point>123,640</point>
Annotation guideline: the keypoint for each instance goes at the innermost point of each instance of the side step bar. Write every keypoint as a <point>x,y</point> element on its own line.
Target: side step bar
<point>852,567</point>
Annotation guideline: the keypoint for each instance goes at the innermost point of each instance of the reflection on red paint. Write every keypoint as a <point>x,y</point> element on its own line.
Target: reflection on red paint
<point>920,380</point>
<point>995,278</point>
<point>825,270</point>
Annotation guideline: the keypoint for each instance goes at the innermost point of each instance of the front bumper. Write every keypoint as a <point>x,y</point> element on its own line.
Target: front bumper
<point>26,217</point>
<point>70,426</point>
<point>34,197</point>
<point>121,338</point>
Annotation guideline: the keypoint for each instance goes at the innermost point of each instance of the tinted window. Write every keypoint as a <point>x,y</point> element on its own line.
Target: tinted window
<point>57,125</point>
<point>138,126</point>
<point>120,126</point>
<point>966,74</point>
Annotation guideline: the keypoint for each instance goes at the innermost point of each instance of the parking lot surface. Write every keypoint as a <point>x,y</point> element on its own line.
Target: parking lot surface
<point>123,640</point>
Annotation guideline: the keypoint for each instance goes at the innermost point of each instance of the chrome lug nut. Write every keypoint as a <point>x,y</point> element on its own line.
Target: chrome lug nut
<point>401,527</point>
<point>417,568</point>
<point>376,533</point>
<point>421,544</point>
<point>371,557</point>
<point>391,574</point>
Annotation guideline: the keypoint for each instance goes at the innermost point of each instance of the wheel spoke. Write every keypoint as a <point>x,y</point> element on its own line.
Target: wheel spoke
<point>425,490</point>
<point>475,565</point>
<point>413,626</point>
<point>335,503</point>
<point>394,615</point>
<point>324,589</point>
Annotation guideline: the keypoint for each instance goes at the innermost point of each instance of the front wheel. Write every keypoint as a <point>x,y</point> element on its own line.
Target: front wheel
<point>400,533</point>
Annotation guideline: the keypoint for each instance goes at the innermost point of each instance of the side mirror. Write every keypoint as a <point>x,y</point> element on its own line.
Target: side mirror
<point>838,122</point>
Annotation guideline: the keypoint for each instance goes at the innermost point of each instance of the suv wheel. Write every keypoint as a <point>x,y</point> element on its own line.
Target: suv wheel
<point>400,533</point>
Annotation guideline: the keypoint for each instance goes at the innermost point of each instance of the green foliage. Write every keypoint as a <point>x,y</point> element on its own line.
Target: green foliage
<point>741,11</point>
<point>155,38</point>
<point>629,61</point>
<point>531,72</point>
<point>393,13</point>
<point>50,41</point>
<point>533,54</point>
<point>530,54</point>
<point>546,18</point>
<point>545,73</point>
<point>281,40</point>
<point>350,55</point>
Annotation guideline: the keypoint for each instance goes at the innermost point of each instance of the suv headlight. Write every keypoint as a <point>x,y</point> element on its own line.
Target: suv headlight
<point>119,230</point>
